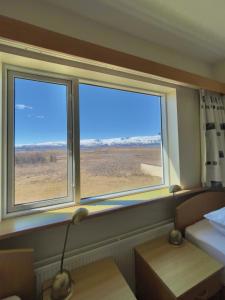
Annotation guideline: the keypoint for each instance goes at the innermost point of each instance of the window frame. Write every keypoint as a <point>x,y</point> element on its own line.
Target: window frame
<point>73,98</point>
<point>9,206</point>
<point>164,145</point>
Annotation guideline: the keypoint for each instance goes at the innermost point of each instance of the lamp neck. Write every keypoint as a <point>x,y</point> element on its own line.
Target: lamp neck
<point>64,246</point>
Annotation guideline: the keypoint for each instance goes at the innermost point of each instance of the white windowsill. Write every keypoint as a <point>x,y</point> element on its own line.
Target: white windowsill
<point>24,224</point>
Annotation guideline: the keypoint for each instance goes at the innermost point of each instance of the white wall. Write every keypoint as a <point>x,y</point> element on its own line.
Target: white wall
<point>173,138</point>
<point>189,136</point>
<point>53,18</point>
<point>184,137</point>
<point>218,71</point>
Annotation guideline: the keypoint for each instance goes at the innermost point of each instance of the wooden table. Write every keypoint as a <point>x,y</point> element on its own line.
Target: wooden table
<point>100,280</point>
<point>166,272</point>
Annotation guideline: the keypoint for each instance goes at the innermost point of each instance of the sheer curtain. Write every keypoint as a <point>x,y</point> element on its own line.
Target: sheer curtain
<point>212,123</point>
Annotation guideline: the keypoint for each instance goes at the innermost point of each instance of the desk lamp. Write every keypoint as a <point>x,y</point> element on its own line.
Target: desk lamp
<point>175,236</point>
<point>62,286</point>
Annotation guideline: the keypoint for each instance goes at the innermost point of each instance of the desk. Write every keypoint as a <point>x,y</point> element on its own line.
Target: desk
<point>100,280</point>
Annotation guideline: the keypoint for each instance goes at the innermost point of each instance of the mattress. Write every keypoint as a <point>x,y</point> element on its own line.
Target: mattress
<point>206,237</point>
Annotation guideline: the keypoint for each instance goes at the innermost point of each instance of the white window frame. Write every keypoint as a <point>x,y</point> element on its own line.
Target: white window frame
<point>164,146</point>
<point>74,149</point>
<point>8,181</point>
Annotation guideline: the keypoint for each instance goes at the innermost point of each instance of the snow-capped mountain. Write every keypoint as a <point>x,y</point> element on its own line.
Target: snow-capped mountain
<point>121,141</point>
<point>88,143</point>
<point>41,146</point>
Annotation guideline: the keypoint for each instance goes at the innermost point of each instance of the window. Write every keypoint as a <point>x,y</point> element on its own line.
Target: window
<point>39,141</point>
<point>57,152</point>
<point>121,144</point>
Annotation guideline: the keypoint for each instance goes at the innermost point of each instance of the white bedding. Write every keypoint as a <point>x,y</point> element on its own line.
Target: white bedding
<point>204,235</point>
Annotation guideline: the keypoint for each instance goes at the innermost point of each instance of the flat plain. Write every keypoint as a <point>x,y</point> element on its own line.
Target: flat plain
<point>41,175</point>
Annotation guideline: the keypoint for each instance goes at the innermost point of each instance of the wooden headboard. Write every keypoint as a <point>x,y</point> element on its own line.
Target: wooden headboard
<point>193,209</point>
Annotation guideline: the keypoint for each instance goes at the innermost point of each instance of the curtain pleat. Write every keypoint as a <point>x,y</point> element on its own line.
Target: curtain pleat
<point>212,123</point>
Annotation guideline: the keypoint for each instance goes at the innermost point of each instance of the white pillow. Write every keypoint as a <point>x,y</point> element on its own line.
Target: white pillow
<point>217,219</point>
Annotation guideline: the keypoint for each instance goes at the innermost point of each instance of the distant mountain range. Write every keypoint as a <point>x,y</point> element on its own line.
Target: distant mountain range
<point>93,143</point>
<point>122,141</point>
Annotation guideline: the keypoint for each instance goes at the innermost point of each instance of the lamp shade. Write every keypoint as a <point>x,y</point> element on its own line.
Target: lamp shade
<point>80,214</point>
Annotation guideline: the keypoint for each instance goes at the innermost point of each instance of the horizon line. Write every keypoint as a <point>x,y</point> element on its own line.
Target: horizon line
<point>48,143</point>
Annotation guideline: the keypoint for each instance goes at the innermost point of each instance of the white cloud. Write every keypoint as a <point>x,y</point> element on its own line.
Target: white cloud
<point>23,106</point>
<point>40,117</point>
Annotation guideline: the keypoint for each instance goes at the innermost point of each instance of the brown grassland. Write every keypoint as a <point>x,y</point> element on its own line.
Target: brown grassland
<point>42,175</point>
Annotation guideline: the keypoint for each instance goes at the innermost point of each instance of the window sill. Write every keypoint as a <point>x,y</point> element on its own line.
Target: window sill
<point>24,224</point>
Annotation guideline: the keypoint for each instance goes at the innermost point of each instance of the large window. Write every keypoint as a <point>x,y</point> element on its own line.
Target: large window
<point>120,140</point>
<point>66,140</point>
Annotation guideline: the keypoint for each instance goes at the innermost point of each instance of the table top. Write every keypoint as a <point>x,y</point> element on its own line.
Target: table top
<point>98,280</point>
<point>180,268</point>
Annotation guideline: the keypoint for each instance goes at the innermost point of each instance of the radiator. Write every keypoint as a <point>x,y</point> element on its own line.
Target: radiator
<point>120,248</point>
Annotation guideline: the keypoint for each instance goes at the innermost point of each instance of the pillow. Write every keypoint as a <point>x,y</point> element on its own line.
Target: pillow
<point>217,219</point>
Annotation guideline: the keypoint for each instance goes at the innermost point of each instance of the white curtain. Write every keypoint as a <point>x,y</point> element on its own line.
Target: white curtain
<point>212,122</point>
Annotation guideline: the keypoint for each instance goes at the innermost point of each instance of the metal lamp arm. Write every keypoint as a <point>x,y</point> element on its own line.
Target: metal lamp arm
<point>64,246</point>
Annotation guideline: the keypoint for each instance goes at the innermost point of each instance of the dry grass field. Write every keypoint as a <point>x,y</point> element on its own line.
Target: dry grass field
<point>42,175</point>
<point>108,170</point>
<point>40,179</point>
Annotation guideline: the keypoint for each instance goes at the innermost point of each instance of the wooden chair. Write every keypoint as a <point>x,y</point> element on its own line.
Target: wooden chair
<point>17,274</point>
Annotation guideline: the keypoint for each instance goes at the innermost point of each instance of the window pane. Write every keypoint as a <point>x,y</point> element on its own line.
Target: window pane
<point>120,140</point>
<point>40,137</point>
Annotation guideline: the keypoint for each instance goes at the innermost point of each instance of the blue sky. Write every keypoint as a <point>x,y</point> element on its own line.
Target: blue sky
<point>109,113</point>
<point>40,112</point>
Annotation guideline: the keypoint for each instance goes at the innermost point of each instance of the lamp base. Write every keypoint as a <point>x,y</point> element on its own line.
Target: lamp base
<point>175,237</point>
<point>62,286</point>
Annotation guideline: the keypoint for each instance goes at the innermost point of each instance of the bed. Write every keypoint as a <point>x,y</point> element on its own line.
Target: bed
<point>190,221</point>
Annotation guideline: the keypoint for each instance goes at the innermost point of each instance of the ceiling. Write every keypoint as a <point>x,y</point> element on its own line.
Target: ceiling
<point>191,27</point>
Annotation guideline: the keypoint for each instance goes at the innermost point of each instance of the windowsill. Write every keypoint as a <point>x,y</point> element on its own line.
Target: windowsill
<point>24,224</point>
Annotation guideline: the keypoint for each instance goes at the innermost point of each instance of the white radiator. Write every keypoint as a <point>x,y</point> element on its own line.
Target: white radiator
<point>120,248</point>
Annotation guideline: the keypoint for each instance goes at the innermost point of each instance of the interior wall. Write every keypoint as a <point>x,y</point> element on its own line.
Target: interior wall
<point>218,71</point>
<point>59,20</point>
<point>173,138</point>
<point>48,243</point>
<point>189,137</point>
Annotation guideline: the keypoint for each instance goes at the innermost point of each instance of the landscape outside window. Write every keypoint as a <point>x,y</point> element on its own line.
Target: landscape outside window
<point>40,110</point>
<point>120,140</point>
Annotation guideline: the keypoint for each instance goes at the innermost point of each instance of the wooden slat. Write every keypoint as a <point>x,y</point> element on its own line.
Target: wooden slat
<point>30,34</point>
